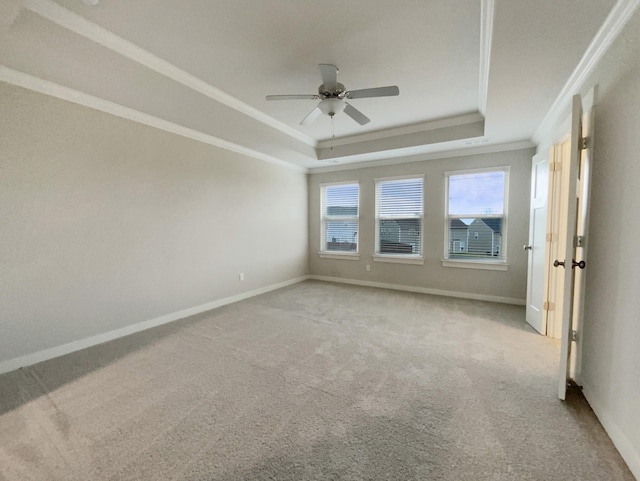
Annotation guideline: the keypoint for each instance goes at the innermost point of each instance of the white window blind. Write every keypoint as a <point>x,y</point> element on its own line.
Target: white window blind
<point>399,214</point>
<point>476,215</point>
<point>340,209</point>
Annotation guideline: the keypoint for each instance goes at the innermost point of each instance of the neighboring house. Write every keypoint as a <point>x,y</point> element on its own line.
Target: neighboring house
<point>400,235</point>
<point>458,236</point>
<point>485,237</point>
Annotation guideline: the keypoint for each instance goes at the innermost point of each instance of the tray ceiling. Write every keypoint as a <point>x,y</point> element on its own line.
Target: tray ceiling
<point>470,72</point>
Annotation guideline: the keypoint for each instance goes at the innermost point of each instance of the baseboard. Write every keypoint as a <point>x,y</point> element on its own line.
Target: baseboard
<point>625,447</point>
<point>423,290</point>
<point>36,357</point>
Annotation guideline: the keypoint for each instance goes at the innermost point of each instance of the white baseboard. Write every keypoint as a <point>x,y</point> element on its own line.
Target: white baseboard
<point>46,354</point>
<point>36,357</point>
<point>423,290</point>
<point>625,447</point>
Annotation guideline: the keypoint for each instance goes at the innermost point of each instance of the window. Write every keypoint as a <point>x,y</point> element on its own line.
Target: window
<point>340,217</point>
<point>399,208</point>
<point>476,216</point>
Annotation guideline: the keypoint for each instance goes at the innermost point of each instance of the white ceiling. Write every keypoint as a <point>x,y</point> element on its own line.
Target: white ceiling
<point>470,72</point>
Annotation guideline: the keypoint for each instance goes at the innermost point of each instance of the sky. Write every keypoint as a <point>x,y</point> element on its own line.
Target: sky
<point>342,195</point>
<point>472,195</point>
<point>476,194</point>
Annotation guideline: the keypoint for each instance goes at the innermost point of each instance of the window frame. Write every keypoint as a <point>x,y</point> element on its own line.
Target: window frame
<point>329,254</point>
<point>477,263</point>
<point>397,258</point>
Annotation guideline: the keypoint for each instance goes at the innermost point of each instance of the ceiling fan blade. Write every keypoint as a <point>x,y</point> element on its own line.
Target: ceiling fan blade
<point>293,97</point>
<point>329,75</point>
<point>356,115</point>
<point>311,116</point>
<point>374,92</point>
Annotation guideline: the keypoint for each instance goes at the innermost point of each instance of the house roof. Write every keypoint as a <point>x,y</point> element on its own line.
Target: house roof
<point>342,210</point>
<point>494,224</point>
<point>457,224</point>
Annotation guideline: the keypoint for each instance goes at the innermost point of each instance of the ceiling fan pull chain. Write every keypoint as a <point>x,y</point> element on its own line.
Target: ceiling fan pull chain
<point>333,135</point>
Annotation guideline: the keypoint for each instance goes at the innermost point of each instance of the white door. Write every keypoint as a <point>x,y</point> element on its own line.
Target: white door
<point>584,190</point>
<point>577,186</point>
<point>536,249</point>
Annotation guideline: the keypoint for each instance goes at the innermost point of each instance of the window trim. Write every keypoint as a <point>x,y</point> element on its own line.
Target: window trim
<point>397,258</point>
<point>479,263</point>
<point>350,256</point>
<point>327,254</point>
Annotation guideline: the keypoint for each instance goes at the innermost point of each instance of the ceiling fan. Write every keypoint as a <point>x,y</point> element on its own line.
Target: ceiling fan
<point>333,95</point>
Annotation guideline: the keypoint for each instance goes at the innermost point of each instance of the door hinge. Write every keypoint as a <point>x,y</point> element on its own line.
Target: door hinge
<point>574,335</point>
<point>584,143</point>
<point>555,166</point>
<point>548,306</point>
<point>549,237</point>
<point>579,241</point>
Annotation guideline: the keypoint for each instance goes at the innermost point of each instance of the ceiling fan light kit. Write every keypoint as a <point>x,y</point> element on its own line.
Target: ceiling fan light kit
<point>332,95</point>
<point>331,107</point>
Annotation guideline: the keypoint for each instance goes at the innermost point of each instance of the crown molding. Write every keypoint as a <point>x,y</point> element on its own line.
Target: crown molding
<point>608,32</point>
<point>441,154</point>
<point>52,89</point>
<point>404,130</point>
<point>486,39</point>
<point>75,23</point>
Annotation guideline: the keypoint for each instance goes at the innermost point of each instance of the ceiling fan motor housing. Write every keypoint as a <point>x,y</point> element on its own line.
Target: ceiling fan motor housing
<point>336,93</point>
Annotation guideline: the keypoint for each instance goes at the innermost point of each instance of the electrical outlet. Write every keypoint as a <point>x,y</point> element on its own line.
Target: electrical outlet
<point>368,268</point>
<point>241,276</point>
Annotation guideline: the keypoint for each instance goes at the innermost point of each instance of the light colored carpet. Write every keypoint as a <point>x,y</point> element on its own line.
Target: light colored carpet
<point>317,381</point>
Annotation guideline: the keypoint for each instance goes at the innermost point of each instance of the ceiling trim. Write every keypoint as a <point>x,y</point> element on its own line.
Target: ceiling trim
<point>52,89</point>
<point>443,154</point>
<point>620,14</point>
<point>486,39</point>
<point>404,145</point>
<point>404,130</point>
<point>91,31</point>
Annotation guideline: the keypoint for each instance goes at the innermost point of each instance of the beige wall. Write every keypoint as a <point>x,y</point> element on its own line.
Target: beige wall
<point>432,275</point>
<point>106,223</point>
<point>610,371</point>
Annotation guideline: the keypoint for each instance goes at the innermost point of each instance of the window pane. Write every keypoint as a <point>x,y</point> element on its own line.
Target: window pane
<point>400,198</point>
<point>475,238</point>
<point>340,217</point>
<point>399,207</point>
<point>341,236</point>
<point>400,236</point>
<point>341,200</point>
<point>477,194</point>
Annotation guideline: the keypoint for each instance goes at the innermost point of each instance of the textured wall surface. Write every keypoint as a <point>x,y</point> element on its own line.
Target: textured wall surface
<point>610,355</point>
<point>107,223</point>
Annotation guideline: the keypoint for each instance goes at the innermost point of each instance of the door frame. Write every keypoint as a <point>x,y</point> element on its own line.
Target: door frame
<point>556,214</point>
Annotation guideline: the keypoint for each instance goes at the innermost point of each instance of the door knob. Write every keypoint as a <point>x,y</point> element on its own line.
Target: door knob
<point>557,263</point>
<point>527,247</point>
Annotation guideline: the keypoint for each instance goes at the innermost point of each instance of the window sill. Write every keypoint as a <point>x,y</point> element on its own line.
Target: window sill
<point>416,260</point>
<point>349,256</point>
<point>479,264</point>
